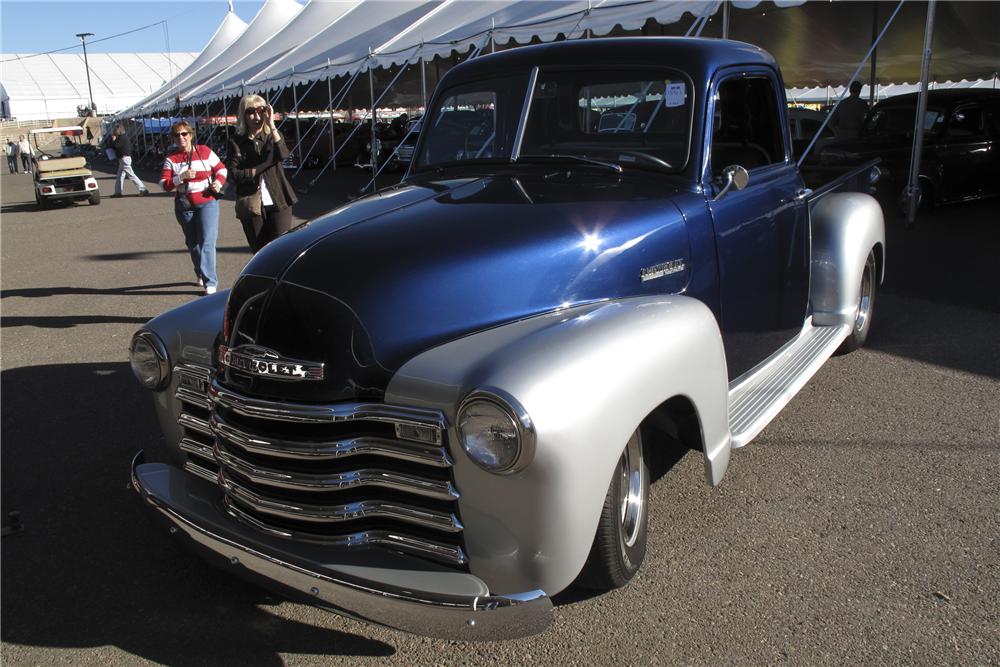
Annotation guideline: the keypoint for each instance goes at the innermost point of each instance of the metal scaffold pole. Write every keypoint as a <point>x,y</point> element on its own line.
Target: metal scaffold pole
<point>374,137</point>
<point>913,185</point>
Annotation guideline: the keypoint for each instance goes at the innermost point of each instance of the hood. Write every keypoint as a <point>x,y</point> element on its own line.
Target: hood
<point>368,286</point>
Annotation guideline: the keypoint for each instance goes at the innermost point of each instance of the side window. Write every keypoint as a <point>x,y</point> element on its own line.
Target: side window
<point>747,124</point>
<point>967,123</point>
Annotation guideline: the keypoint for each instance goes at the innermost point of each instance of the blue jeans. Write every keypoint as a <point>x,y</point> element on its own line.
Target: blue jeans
<point>201,230</point>
<point>125,170</point>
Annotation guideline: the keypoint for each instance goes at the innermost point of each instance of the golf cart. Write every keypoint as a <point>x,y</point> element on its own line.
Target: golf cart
<point>61,171</point>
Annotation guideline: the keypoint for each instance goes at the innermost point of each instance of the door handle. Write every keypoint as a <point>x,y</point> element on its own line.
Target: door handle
<point>803,194</point>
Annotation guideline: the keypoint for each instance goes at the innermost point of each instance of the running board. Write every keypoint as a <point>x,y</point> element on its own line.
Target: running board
<point>755,401</point>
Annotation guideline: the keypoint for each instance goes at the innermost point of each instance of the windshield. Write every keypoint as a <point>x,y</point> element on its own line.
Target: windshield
<point>629,118</point>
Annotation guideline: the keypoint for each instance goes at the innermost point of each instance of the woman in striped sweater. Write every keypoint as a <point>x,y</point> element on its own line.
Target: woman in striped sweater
<point>195,175</point>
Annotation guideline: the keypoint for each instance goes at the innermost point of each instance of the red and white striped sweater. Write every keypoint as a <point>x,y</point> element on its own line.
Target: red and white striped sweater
<point>207,165</point>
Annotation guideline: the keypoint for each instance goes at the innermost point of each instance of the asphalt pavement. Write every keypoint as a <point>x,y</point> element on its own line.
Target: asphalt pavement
<point>861,527</point>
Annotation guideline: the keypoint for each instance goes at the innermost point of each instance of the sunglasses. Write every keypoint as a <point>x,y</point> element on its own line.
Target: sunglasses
<point>259,111</point>
<point>181,134</point>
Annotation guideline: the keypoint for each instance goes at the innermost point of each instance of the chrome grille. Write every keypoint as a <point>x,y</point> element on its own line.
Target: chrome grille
<point>337,474</point>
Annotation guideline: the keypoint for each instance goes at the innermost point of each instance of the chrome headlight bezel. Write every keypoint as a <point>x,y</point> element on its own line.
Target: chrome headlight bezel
<point>145,340</point>
<point>518,419</point>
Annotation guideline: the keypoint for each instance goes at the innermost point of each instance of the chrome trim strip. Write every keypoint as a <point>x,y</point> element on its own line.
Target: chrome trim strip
<point>334,412</point>
<point>197,470</point>
<point>195,448</point>
<point>330,449</point>
<point>440,490</point>
<point>528,97</point>
<point>196,424</point>
<point>446,553</point>
<point>467,618</point>
<point>193,397</point>
<point>332,514</point>
<point>199,372</point>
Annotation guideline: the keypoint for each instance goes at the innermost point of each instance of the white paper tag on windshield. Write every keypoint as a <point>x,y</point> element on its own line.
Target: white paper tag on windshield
<point>674,96</point>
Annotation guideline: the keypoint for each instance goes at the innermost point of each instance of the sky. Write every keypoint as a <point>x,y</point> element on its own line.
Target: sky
<point>37,26</point>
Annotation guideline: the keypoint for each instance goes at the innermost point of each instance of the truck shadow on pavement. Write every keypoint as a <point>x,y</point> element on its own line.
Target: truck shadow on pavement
<point>940,303</point>
<point>144,254</point>
<point>89,568</point>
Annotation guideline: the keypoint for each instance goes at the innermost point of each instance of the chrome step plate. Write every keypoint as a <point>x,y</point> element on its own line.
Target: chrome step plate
<point>758,398</point>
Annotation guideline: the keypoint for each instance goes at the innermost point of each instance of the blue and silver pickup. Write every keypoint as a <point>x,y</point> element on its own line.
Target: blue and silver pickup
<point>437,406</point>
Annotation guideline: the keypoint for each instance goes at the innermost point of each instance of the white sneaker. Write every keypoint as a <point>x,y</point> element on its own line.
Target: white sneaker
<point>201,282</point>
<point>209,289</point>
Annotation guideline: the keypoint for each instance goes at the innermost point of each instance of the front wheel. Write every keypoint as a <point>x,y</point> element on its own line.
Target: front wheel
<point>620,543</point>
<point>866,307</point>
<point>94,199</point>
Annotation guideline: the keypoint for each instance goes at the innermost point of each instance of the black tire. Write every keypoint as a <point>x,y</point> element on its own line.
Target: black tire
<point>866,307</point>
<point>42,202</point>
<point>620,542</point>
<point>94,199</point>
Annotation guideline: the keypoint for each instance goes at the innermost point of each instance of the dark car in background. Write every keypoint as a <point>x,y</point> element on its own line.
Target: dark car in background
<point>960,159</point>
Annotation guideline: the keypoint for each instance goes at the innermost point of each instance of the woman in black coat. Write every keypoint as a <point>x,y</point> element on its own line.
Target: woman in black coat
<point>255,155</point>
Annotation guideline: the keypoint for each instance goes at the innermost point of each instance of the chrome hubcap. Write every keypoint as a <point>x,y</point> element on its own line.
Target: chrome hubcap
<point>865,302</point>
<point>630,500</point>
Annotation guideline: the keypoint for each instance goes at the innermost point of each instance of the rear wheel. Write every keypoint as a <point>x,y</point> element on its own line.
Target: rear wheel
<point>620,543</point>
<point>94,199</point>
<point>41,201</point>
<point>866,307</point>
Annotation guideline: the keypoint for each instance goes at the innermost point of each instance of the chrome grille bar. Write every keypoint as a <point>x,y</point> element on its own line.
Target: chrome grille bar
<point>195,448</point>
<point>440,490</point>
<point>332,514</point>
<point>196,424</point>
<point>318,414</point>
<point>329,449</point>
<point>447,553</point>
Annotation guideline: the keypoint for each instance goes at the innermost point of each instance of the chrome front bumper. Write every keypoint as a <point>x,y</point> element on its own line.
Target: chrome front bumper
<point>467,616</point>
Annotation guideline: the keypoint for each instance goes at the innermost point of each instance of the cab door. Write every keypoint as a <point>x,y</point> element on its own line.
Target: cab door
<point>762,232</point>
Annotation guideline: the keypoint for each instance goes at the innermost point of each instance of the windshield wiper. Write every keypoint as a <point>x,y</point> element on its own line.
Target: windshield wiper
<point>613,166</point>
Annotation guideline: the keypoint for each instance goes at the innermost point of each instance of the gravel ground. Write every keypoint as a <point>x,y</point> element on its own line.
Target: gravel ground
<point>862,526</point>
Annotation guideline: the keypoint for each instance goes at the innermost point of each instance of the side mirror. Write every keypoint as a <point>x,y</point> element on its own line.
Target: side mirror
<point>735,176</point>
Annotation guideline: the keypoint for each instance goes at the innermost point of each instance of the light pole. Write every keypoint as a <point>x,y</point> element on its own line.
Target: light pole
<point>83,40</point>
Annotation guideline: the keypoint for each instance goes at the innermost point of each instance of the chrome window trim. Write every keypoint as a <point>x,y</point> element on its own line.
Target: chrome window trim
<point>322,413</point>
<point>447,553</point>
<point>339,513</point>
<point>328,450</point>
<point>525,109</point>
<point>440,490</point>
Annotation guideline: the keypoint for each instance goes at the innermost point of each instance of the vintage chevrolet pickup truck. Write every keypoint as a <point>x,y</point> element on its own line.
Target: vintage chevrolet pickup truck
<point>437,406</point>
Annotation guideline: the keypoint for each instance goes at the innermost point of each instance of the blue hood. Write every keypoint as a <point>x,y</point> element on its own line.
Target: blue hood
<point>367,286</point>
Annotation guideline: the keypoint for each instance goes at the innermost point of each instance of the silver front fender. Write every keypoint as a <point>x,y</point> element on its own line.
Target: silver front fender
<point>587,377</point>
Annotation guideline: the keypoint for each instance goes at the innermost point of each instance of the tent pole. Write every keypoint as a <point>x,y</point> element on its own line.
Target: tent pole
<point>374,137</point>
<point>871,77</point>
<point>329,104</point>
<point>725,19</point>
<point>913,186</point>
<point>423,83</point>
<point>298,128</point>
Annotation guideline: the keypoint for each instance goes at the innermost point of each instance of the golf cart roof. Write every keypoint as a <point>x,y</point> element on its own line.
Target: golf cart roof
<point>68,130</point>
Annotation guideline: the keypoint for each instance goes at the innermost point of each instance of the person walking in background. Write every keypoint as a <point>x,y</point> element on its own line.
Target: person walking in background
<point>850,114</point>
<point>196,176</point>
<point>11,150</point>
<point>24,150</point>
<point>255,155</point>
<point>122,146</point>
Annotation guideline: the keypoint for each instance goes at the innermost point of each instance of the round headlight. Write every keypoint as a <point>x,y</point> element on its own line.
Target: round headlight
<point>148,358</point>
<point>495,432</point>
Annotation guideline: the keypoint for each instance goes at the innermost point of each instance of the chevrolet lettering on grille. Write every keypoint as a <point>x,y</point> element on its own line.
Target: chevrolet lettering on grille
<point>264,362</point>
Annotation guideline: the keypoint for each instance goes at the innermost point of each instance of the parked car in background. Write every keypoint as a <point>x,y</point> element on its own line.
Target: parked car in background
<point>61,173</point>
<point>960,159</point>
<point>803,125</point>
<point>404,151</point>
